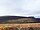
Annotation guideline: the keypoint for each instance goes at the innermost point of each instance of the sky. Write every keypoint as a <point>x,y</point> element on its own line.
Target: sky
<point>20,8</point>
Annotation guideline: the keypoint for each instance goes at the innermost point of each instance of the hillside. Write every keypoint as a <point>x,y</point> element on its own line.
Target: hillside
<point>18,19</point>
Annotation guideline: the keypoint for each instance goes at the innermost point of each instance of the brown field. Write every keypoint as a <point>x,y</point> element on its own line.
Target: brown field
<point>19,24</point>
<point>3,26</point>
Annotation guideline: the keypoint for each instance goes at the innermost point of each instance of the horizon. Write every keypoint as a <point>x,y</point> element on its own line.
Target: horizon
<point>20,16</point>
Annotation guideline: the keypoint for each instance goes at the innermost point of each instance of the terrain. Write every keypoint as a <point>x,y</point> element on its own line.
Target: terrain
<point>35,26</point>
<point>18,19</point>
<point>19,23</point>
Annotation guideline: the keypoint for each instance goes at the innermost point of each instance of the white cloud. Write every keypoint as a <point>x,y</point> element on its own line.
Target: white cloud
<point>20,7</point>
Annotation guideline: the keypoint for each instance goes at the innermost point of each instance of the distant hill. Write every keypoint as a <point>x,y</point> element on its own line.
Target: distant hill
<point>18,19</point>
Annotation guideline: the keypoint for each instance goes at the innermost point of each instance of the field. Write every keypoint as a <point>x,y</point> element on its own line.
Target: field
<point>19,23</point>
<point>35,26</point>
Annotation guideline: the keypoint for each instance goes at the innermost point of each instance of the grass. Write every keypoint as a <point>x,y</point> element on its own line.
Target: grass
<point>19,26</point>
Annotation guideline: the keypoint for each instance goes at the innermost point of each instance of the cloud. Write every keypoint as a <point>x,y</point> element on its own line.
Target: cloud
<point>20,7</point>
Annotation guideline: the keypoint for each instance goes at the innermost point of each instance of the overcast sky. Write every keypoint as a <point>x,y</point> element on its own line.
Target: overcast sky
<point>20,7</point>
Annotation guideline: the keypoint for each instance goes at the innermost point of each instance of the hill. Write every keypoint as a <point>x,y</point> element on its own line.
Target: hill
<point>18,19</point>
